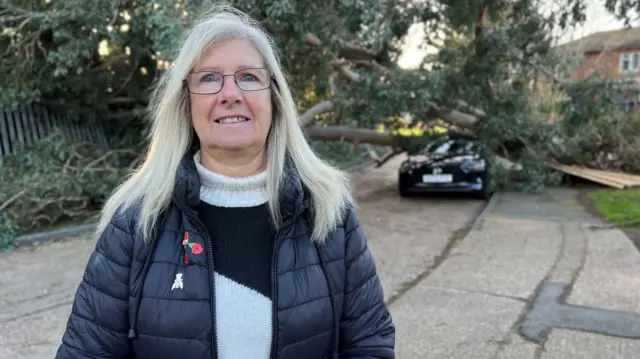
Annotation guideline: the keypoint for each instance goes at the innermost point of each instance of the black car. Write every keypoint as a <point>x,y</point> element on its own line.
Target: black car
<point>445,165</point>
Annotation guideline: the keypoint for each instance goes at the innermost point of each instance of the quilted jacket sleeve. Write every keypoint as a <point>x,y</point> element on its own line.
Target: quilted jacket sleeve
<point>366,328</point>
<point>98,324</point>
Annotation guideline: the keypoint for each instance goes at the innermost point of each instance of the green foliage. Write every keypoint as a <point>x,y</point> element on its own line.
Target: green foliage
<point>56,180</point>
<point>345,154</point>
<point>9,230</point>
<point>377,96</point>
<point>610,141</point>
<point>85,56</point>
<point>97,60</point>
<point>93,57</point>
<point>592,129</point>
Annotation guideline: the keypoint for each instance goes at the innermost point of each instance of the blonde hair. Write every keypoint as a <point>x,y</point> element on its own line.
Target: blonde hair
<point>151,186</point>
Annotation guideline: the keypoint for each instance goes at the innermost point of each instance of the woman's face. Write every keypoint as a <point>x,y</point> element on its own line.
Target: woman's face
<point>235,118</point>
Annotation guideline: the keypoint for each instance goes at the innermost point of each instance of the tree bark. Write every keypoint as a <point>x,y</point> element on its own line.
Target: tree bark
<point>454,117</point>
<point>354,135</point>
<point>347,51</point>
<point>308,116</point>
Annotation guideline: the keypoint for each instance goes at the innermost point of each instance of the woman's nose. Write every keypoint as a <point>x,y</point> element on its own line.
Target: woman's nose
<point>230,91</point>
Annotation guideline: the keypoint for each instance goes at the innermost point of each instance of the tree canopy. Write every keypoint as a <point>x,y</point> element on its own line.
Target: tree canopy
<point>493,73</point>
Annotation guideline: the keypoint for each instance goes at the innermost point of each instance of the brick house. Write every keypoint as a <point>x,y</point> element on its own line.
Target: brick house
<point>614,54</point>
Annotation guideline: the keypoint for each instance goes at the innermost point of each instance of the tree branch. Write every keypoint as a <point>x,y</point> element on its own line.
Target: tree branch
<point>353,52</point>
<point>313,39</point>
<point>347,51</point>
<point>453,117</point>
<point>91,164</point>
<point>351,75</point>
<point>6,203</point>
<point>388,156</point>
<point>308,116</point>
<point>371,63</point>
<point>474,111</point>
<point>546,72</point>
<point>357,135</point>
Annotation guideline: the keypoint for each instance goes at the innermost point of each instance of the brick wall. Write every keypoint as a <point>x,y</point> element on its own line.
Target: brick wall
<point>607,63</point>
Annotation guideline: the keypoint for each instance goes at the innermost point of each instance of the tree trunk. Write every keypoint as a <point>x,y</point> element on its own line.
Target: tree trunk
<point>354,135</point>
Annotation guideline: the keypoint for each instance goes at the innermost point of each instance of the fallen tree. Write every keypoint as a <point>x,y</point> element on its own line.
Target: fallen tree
<point>57,180</point>
<point>97,61</point>
<point>510,61</point>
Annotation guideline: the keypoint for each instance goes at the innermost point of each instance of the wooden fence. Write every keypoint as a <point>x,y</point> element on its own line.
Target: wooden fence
<point>30,124</point>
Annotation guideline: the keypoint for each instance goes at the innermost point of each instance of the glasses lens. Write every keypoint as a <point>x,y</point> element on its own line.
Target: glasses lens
<point>205,82</point>
<point>209,82</point>
<point>253,79</point>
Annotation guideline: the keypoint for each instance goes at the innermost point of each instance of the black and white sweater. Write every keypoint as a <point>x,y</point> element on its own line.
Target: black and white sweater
<point>235,212</point>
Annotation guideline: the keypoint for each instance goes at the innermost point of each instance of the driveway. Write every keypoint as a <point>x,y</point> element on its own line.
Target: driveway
<point>407,237</point>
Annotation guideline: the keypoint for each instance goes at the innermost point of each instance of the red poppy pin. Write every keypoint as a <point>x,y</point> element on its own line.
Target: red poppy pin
<point>196,248</point>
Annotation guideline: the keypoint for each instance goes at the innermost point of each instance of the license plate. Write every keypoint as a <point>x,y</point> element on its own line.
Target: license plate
<point>441,178</point>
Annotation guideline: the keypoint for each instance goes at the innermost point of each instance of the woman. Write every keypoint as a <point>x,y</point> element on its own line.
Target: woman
<point>233,240</point>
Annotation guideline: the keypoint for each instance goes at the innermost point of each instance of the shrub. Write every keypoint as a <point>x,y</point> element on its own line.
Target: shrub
<point>57,180</point>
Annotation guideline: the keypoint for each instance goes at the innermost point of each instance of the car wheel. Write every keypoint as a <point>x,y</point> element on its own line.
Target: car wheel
<point>402,189</point>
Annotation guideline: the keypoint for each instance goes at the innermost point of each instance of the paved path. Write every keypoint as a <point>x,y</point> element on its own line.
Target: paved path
<point>536,277</point>
<point>406,236</point>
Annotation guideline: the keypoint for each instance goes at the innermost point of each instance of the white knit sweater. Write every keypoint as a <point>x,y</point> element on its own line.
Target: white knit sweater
<point>243,309</point>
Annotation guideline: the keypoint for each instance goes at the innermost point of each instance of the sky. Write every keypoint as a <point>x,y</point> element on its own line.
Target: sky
<point>598,19</point>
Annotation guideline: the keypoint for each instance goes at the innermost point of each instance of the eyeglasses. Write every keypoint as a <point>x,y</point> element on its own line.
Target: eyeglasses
<point>211,82</point>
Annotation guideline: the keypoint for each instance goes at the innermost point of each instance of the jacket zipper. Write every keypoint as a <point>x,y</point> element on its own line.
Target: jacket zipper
<point>274,296</point>
<point>212,281</point>
<point>274,283</point>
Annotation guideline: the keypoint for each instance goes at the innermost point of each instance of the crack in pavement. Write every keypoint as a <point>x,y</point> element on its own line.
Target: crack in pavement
<point>37,311</point>
<point>551,311</point>
<point>494,295</point>
<point>455,238</point>
<point>540,349</point>
<point>567,266</point>
<point>506,340</point>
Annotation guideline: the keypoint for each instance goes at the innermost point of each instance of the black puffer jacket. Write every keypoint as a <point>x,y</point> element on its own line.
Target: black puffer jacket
<point>328,303</point>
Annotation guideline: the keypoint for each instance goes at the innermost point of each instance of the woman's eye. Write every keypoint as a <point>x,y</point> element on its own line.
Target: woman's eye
<point>209,77</point>
<point>248,77</point>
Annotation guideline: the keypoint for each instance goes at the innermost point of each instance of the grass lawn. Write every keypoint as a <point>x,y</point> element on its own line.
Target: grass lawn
<point>621,207</point>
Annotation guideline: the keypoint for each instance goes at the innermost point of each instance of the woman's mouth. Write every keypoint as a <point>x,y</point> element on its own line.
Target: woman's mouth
<point>231,120</point>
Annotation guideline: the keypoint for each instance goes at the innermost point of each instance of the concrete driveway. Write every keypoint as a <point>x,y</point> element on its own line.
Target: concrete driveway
<point>407,236</point>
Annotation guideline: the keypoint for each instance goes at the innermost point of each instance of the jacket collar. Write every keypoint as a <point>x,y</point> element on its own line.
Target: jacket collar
<point>294,198</point>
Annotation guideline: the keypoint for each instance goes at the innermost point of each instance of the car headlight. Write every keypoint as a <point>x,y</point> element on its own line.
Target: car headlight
<point>475,165</point>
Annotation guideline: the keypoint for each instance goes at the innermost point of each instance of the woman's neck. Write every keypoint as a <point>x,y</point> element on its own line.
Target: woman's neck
<point>234,164</point>
<point>226,191</point>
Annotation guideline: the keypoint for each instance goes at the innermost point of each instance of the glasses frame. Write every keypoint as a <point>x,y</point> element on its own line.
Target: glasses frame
<point>186,82</point>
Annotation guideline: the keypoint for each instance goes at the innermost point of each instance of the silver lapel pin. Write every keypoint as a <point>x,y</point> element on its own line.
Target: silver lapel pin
<point>177,283</point>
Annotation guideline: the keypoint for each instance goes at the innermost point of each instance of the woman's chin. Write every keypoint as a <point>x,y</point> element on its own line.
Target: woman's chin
<point>235,143</point>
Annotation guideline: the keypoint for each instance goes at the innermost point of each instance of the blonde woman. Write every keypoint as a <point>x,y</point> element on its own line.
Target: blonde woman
<point>232,240</point>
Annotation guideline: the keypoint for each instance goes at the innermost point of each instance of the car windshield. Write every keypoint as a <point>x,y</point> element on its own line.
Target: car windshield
<point>450,147</point>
